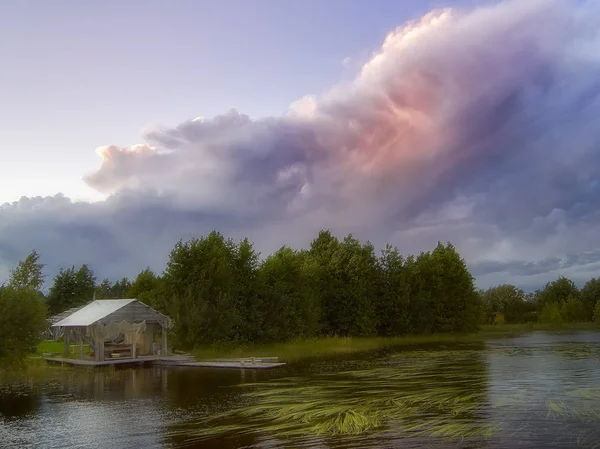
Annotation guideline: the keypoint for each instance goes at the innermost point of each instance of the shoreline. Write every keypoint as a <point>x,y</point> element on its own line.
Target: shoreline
<point>298,350</point>
<point>306,349</point>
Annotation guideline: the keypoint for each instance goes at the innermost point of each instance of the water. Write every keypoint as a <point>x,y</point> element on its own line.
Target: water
<point>539,390</point>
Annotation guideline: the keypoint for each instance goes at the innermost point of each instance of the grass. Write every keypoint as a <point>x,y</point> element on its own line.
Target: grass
<point>530,327</point>
<point>52,346</point>
<point>318,347</point>
<point>32,368</point>
<point>296,350</point>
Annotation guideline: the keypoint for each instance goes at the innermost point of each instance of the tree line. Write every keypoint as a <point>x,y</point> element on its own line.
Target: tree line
<point>559,302</point>
<point>217,290</point>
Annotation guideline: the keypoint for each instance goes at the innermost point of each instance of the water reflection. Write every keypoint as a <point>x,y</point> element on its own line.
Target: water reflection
<point>541,390</point>
<point>19,402</point>
<point>546,389</point>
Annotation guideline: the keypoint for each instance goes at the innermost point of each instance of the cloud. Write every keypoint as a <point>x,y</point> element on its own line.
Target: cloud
<point>476,126</point>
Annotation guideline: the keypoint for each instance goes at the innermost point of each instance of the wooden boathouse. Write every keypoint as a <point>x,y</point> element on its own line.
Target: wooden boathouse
<point>115,329</point>
<point>126,332</point>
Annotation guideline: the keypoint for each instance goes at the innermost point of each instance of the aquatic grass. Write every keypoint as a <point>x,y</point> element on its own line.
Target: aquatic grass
<point>585,393</point>
<point>417,393</point>
<point>567,408</point>
<point>348,422</point>
<point>330,406</point>
<point>557,408</point>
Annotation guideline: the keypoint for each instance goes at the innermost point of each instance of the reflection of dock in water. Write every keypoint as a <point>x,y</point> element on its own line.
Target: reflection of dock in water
<point>171,360</point>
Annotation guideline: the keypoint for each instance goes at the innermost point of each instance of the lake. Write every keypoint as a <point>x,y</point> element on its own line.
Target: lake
<point>538,390</point>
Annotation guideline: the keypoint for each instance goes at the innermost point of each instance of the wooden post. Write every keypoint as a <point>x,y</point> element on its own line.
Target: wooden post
<point>66,336</point>
<point>96,344</point>
<point>133,346</point>
<point>80,347</point>
<point>164,350</point>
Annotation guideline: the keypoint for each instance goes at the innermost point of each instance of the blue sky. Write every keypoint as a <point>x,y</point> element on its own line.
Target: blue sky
<point>78,75</point>
<point>476,125</point>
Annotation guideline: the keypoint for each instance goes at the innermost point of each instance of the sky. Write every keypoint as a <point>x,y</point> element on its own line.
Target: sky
<point>127,126</point>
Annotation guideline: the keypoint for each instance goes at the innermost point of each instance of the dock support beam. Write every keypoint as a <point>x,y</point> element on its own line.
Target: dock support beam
<point>164,350</point>
<point>99,350</point>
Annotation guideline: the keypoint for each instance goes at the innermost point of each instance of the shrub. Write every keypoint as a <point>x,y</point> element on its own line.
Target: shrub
<point>22,321</point>
<point>573,310</point>
<point>551,315</point>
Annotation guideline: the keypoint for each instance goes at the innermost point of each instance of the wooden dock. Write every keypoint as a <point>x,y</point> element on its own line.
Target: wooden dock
<point>172,360</point>
<point>235,363</point>
<point>125,361</point>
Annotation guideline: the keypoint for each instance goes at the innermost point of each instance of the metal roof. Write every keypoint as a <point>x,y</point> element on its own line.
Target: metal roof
<point>94,311</point>
<point>61,316</point>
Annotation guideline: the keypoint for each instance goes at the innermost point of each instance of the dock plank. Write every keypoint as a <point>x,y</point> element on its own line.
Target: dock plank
<point>117,361</point>
<point>235,365</point>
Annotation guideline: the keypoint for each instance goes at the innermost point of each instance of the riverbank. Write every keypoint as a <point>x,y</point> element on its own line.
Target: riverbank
<point>296,350</point>
<point>35,367</point>
<point>308,348</point>
<point>31,369</point>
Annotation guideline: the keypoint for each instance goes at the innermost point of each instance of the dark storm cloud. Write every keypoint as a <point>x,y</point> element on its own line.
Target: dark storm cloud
<point>478,127</point>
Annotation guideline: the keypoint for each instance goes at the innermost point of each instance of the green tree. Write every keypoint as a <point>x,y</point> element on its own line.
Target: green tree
<point>321,251</point>
<point>590,295</point>
<point>457,304</point>
<point>104,290</point>
<point>145,281</point>
<point>550,314</point>
<point>443,295</point>
<point>394,293</point>
<point>246,297</point>
<point>597,314</point>
<point>347,274</point>
<point>116,290</point>
<point>28,273</point>
<point>557,291</point>
<point>71,288</point>
<point>119,288</point>
<point>421,313</point>
<point>290,305</point>
<point>203,287</point>
<point>148,288</point>
<point>509,301</point>
<point>22,321</point>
